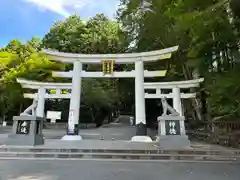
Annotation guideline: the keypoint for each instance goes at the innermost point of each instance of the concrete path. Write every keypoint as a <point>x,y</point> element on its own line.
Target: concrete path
<point>91,139</point>
<point>95,144</point>
<point>106,170</point>
<point>117,132</point>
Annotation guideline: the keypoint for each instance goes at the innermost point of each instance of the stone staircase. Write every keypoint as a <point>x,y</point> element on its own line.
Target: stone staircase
<point>124,151</point>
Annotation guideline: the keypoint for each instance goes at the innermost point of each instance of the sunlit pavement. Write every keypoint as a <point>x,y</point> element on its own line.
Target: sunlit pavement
<point>97,170</point>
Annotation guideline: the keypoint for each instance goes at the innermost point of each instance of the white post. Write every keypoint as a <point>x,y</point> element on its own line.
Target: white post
<point>139,93</point>
<point>41,102</point>
<point>177,105</point>
<point>158,91</point>
<point>140,116</point>
<point>74,109</point>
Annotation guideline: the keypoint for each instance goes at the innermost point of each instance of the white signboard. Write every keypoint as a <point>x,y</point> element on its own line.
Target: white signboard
<point>4,123</point>
<point>54,114</point>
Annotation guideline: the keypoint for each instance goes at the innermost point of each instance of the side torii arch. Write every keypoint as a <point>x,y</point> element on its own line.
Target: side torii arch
<point>175,87</point>
<point>41,92</point>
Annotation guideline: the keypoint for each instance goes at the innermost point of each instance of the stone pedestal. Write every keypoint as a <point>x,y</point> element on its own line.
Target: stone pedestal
<point>141,129</point>
<point>26,131</point>
<point>141,134</point>
<point>73,131</point>
<point>171,132</point>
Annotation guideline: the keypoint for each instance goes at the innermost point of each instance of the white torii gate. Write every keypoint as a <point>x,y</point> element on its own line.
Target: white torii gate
<point>176,95</point>
<point>137,58</point>
<point>175,86</point>
<point>42,94</point>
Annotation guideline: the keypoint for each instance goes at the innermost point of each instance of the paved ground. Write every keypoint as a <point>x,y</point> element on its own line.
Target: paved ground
<point>116,132</point>
<point>92,136</point>
<point>109,170</point>
<point>97,170</point>
<point>100,144</point>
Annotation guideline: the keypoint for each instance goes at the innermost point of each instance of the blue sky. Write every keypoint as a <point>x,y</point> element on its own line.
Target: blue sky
<point>22,19</point>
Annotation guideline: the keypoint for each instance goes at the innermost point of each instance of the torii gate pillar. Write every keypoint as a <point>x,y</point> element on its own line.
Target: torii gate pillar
<point>41,102</point>
<point>75,102</point>
<point>140,117</point>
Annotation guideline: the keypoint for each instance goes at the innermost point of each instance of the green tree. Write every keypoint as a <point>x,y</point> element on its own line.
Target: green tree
<point>98,35</point>
<point>65,36</point>
<point>18,60</point>
<point>207,45</point>
<point>235,5</point>
<point>35,43</point>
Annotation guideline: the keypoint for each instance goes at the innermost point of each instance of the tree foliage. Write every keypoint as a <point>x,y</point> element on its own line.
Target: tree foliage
<point>19,60</point>
<point>207,38</point>
<point>97,35</point>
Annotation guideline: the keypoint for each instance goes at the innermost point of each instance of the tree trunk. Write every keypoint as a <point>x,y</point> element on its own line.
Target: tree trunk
<point>196,114</point>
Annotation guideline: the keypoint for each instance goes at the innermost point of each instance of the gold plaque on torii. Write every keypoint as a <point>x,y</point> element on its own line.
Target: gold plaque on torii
<point>108,66</point>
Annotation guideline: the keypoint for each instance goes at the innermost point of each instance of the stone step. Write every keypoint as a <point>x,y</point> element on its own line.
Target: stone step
<point>132,151</point>
<point>124,156</point>
<point>23,149</point>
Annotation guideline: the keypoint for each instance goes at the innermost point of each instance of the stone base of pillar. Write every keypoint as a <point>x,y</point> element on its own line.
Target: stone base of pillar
<point>141,129</point>
<point>141,139</point>
<point>71,138</point>
<point>174,142</point>
<point>73,132</point>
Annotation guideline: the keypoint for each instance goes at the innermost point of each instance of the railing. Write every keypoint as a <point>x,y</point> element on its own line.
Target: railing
<point>221,131</point>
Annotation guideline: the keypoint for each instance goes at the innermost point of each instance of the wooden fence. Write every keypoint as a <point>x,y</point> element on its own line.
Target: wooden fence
<point>222,132</point>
